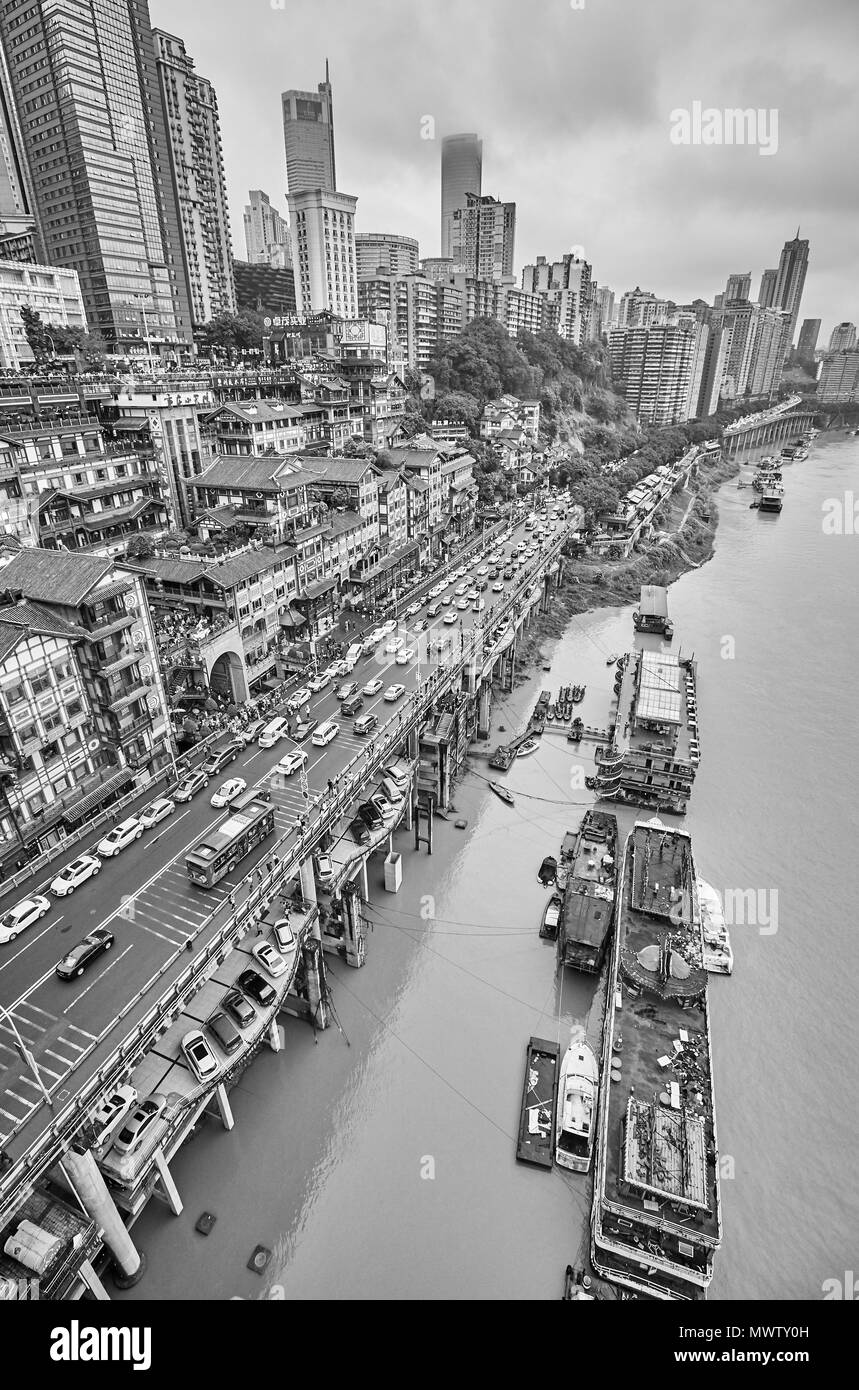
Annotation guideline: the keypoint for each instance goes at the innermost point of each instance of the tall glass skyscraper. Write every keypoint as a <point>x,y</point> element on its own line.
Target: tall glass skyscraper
<point>308,137</point>
<point>461,173</point>
<point>792,268</point>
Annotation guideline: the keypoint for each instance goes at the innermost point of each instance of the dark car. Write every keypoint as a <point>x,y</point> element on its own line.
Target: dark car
<point>258,988</point>
<point>240,1009</point>
<point>225,1033</point>
<point>346,690</point>
<point>360,830</point>
<point>190,785</point>
<point>86,951</point>
<point>371,815</point>
<point>303,728</point>
<point>508,574</point>
<point>220,757</point>
<point>352,705</point>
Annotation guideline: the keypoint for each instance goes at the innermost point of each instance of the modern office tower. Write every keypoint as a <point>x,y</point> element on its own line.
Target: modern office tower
<point>738,287</point>
<point>567,292</point>
<point>754,342</point>
<point>323,239</point>
<point>461,173</point>
<point>655,368</point>
<point>792,268</point>
<point>194,139</point>
<point>766,293</point>
<point>842,337</point>
<point>839,376</point>
<point>19,240</point>
<point>82,79</point>
<point>487,234</point>
<point>715,356</point>
<point>396,255</point>
<point>308,137</point>
<point>808,336</point>
<point>266,233</point>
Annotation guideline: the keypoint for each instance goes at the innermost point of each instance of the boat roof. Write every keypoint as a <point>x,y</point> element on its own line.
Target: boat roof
<point>654,601</point>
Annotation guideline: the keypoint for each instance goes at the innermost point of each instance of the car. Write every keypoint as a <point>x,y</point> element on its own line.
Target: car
<point>228,791</point>
<point>508,574</point>
<point>368,645</point>
<point>346,689</point>
<point>377,635</point>
<point>220,757</point>
<point>481,569</point>
<point>371,815</point>
<point>120,836</point>
<point>190,785</point>
<point>324,869</point>
<point>372,687</point>
<point>139,1123</point>
<point>451,617</point>
<point>291,762</point>
<point>498,587</point>
<point>297,699</point>
<point>419,625</point>
<point>74,874</point>
<point>225,1033</point>
<point>317,683</point>
<point>239,1008</point>
<point>22,916</point>
<point>284,935</point>
<point>394,692</point>
<point>388,627</point>
<point>110,1113</point>
<point>394,643</point>
<point>479,605</point>
<point>413,609</point>
<point>199,1055</point>
<point>156,811</point>
<point>365,725</point>
<point>257,988</point>
<point>405,656</point>
<point>433,610</point>
<point>483,586</point>
<point>461,590</point>
<point>86,951</point>
<point>472,595</point>
<point>462,604</point>
<point>337,669</point>
<point>446,598</point>
<point>353,705</point>
<point>359,830</point>
<point>400,778</point>
<point>325,733</point>
<point>303,728</point>
<point>269,958</point>
<point>493,573</point>
<point>251,732</point>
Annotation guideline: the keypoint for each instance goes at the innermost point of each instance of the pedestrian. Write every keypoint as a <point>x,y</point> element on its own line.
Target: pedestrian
<point>232,898</point>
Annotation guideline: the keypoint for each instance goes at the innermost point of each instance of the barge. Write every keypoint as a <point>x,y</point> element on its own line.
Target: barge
<point>652,614</point>
<point>539,1103</point>
<point>655,748</point>
<point>656,1218</point>
<point>772,500</point>
<point>589,900</point>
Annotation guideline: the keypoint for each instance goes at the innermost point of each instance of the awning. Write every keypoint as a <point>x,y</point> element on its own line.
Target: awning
<point>108,787</point>
<point>292,618</point>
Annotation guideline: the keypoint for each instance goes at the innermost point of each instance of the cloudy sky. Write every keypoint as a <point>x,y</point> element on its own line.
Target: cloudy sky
<point>574,106</point>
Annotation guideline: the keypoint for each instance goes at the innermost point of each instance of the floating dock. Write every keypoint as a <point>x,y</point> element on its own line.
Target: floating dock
<point>539,1103</point>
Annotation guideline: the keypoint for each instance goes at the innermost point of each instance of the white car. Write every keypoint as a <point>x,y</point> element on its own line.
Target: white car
<point>389,626</point>
<point>397,776</point>
<point>112,1110</point>
<point>156,811</point>
<point>297,699</point>
<point>451,616</point>
<point>405,656</point>
<point>22,916</point>
<point>74,874</point>
<point>462,604</point>
<point>317,683</point>
<point>372,687</point>
<point>394,644</point>
<point>337,668</point>
<point>394,692</point>
<point>120,836</point>
<point>482,569</point>
<point>199,1055</point>
<point>269,958</point>
<point>376,636</point>
<point>291,762</point>
<point>228,791</point>
<point>412,609</point>
<point>460,590</point>
<point>498,587</point>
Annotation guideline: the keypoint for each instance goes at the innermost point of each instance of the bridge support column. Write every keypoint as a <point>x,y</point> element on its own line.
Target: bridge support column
<point>224,1108</point>
<point>364,883</point>
<point>409,810</point>
<point>91,1281</point>
<point>308,882</point>
<point>90,1186</point>
<point>484,705</point>
<point>353,927</point>
<point>168,1186</point>
<point>422,810</point>
<point>274,1039</point>
<point>317,990</point>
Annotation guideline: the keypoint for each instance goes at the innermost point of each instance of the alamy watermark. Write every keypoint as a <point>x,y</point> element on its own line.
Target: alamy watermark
<point>841,515</point>
<point>732,126</point>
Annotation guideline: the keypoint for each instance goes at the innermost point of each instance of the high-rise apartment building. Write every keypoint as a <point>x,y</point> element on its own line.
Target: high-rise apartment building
<point>654,366</point>
<point>323,238</point>
<point>395,255</point>
<point>266,233</point>
<point>640,308</point>
<point>308,136</point>
<point>81,77</point>
<point>842,337</point>
<point>808,336</point>
<point>487,233</point>
<point>196,160</point>
<point>766,293</point>
<point>792,269</point>
<point>738,287</point>
<point>839,376</point>
<point>754,342</point>
<point>461,174</point>
<point>567,291</point>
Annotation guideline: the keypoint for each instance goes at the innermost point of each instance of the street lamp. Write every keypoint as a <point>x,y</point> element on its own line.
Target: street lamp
<point>26,1055</point>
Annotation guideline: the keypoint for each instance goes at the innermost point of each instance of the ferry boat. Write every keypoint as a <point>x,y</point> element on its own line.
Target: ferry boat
<point>771,501</point>
<point>794,453</point>
<point>652,612</point>
<point>539,1102</point>
<point>578,1087</point>
<point>657,1220</point>
<point>588,912</point>
<point>718,956</point>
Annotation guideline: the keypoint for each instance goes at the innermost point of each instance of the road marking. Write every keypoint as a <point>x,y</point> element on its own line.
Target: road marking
<point>100,977</point>
<point>153,932</point>
<point>32,941</point>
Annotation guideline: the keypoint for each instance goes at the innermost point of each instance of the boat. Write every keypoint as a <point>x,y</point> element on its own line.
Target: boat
<point>656,1221</point>
<point>577,1285</point>
<point>590,856</point>
<point>574,734</point>
<point>529,746</point>
<point>718,956</point>
<point>502,792</point>
<point>771,501</point>
<point>578,694</point>
<point>551,918</point>
<point>539,1103</point>
<point>578,1086</point>
<point>591,783</point>
<point>652,614</point>
<point>612,660</point>
<point>548,870</point>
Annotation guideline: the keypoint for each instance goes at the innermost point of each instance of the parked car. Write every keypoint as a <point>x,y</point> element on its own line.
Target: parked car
<point>365,725</point>
<point>269,958</point>
<point>371,815</point>
<point>345,690</point>
<point>406,655</point>
<point>219,758</point>
<point>324,869</point>
<point>372,687</point>
<point>81,956</point>
<point>239,1008</point>
<point>291,762</point>
<point>394,692</point>
<point>360,830</point>
<point>400,778</point>
<point>251,732</point>
<point>156,811</point>
<point>352,705</point>
<point>74,874</point>
<point>303,728</point>
<point>192,783</point>
<point>22,916</point>
<point>257,988</point>
<point>110,1114</point>
<point>199,1055</point>
<point>297,699</point>
<point>139,1123</point>
<point>228,791</point>
<point>225,1033</point>
<point>121,835</point>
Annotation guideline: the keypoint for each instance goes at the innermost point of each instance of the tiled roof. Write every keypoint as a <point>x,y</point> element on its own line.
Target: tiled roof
<point>334,470</point>
<point>226,574</point>
<point>413,458</point>
<point>34,618</point>
<point>257,411</point>
<point>54,576</point>
<point>245,472</point>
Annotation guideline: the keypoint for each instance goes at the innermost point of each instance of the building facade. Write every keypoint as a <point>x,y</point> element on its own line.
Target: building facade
<point>842,338</point>
<point>394,255</point>
<point>790,282</point>
<point>566,289</point>
<point>839,376</point>
<point>266,233</point>
<point>461,174</point>
<point>308,137</point>
<point>54,294</point>
<point>323,234</point>
<point>808,335</point>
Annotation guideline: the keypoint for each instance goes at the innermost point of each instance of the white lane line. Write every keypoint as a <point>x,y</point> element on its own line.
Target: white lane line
<point>161,937</point>
<point>38,1010</point>
<point>100,977</point>
<point>25,1081</point>
<point>90,1037</point>
<point>252,756</point>
<point>15,1096</point>
<point>15,1120</point>
<point>32,941</point>
<point>66,1061</point>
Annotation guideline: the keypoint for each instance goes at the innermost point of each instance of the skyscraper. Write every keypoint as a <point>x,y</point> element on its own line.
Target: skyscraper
<point>843,337</point>
<point>194,139</point>
<point>398,254</point>
<point>95,146</point>
<point>567,291</point>
<point>461,172</point>
<point>792,268</point>
<point>738,287</point>
<point>323,239</point>
<point>660,369</point>
<point>308,137</point>
<point>266,233</point>
<point>808,335</point>
<point>766,293</point>
<point>18,237</point>
<point>489,236</point>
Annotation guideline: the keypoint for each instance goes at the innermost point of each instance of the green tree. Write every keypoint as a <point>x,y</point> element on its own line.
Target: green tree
<point>36,333</point>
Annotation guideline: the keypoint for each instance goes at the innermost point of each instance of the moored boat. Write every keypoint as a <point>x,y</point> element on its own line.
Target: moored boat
<point>529,746</point>
<point>578,1085</point>
<point>548,870</point>
<point>588,915</point>
<point>718,956</point>
<point>503,792</point>
<point>539,1102</point>
<point>551,918</point>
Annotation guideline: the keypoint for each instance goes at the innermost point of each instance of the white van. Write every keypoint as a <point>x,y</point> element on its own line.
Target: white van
<point>324,734</point>
<point>273,732</point>
<point>353,654</point>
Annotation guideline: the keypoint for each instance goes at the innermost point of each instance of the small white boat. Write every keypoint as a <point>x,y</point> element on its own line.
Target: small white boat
<point>530,746</point>
<point>718,956</point>
<point>578,1086</point>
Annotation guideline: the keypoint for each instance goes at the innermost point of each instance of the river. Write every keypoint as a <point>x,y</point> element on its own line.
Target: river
<point>378,1161</point>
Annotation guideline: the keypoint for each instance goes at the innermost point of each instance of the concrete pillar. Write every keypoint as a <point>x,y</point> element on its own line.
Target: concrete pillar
<point>168,1186</point>
<point>224,1108</point>
<point>409,809</point>
<point>314,965</point>
<point>484,704</point>
<point>274,1038</point>
<point>353,930</point>
<point>365,887</point>
<point>308,882</point>
<point>91,1280</point>
<point>96,1200</point>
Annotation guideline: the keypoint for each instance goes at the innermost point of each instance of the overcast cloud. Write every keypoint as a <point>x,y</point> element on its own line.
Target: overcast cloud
<point>574,109</point>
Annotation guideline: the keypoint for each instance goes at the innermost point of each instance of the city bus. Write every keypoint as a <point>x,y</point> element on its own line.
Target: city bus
<point>249,822</point>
